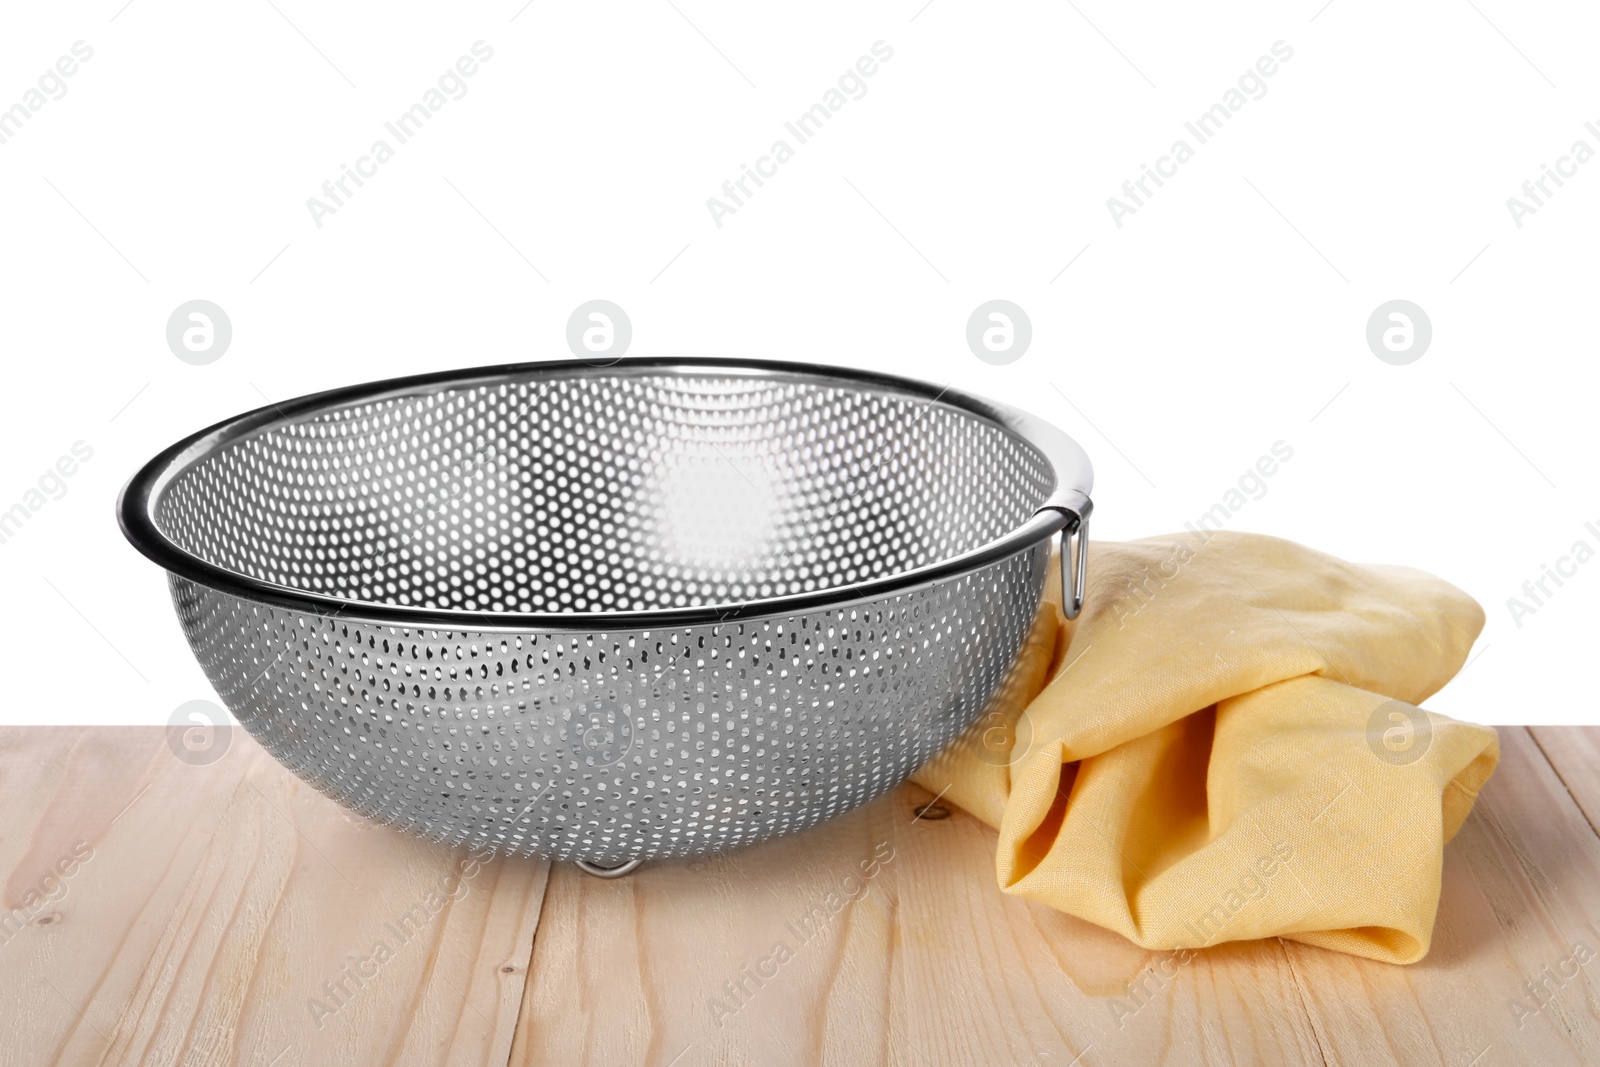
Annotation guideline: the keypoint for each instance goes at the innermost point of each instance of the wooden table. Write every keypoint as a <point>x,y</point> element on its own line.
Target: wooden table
<point>165,912</point>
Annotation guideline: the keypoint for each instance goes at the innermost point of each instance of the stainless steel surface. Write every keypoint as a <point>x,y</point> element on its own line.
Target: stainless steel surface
<point>610,614</point>
<point>607,872</point>
<point>1075,560</point>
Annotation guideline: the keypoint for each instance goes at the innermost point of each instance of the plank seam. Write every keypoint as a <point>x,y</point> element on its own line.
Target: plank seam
<point>1311,1022</point>
<point>527,972</point>
<point>1557,772</point>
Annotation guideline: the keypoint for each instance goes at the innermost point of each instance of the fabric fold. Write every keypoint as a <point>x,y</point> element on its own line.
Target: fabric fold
<point>1226,745</point>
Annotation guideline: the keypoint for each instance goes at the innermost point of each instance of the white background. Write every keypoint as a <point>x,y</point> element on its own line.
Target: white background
<point>1227,314</point>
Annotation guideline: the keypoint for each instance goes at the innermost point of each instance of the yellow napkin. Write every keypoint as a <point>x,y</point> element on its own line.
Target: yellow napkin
<point>1225,745</point>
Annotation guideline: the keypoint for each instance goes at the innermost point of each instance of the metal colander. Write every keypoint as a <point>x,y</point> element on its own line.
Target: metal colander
<point>605,614</point>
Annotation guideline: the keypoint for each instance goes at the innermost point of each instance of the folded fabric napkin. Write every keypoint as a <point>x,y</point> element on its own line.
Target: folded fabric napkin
<point>1226,745</point>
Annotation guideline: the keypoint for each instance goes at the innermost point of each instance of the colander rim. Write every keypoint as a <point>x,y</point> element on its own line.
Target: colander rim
<point>1067,503</point>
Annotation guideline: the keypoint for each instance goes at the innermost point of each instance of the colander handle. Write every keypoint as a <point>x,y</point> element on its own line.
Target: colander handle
<point>1074,564</point>
<point>1074,535</point>
<point>1070,499</point>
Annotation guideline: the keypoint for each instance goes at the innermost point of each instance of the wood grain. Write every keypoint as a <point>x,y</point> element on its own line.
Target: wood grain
<point>205,907</point>
<point>217,900</point>
<point>1521,885</point>
<point>931,965</point>
<point>928,964</point>
<point>1574,755</point>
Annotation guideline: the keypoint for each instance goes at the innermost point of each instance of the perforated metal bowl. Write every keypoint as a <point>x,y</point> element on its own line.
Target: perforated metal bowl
<point>605,614</point>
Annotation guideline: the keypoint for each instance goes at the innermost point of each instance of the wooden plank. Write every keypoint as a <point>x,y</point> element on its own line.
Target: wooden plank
<point>1574,753</point>
<point>218,900</point>
<point>203,907</point>
<point>1521,887</point>
<point>928,964</point>
<point>931,965</point>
